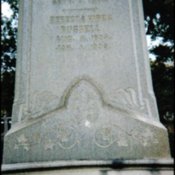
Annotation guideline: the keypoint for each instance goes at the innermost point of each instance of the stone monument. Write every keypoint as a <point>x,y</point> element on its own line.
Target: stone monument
<point>83,85</point>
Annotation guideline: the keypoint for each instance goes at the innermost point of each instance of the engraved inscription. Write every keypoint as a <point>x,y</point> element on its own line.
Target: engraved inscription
<point>59,2</point>
<point>67,19</point>
<point>81,31</point>
<point>79,28</point>
<point>78,18</point>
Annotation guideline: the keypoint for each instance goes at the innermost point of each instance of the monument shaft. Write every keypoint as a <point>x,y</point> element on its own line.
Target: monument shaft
<point>83,84</point>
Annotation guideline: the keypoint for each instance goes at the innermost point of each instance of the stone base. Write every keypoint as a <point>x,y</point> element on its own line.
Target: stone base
<point>86,130</point>
<point>117,167</point>
<point>81,130</point>
<point>34,143</point>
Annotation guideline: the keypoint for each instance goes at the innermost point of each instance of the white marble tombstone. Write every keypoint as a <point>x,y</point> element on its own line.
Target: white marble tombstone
<point>83,84</point>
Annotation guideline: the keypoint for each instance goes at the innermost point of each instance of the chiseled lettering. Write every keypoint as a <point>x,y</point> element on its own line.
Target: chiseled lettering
<point>80,18</point>
<point>67,19</point>
<point>64,38</point>
<point>57,2</point>
<point>79,28</point>
<point>64,47</point>
<point>99,46</point>
<point>99,37</point>
<point>100,18</point>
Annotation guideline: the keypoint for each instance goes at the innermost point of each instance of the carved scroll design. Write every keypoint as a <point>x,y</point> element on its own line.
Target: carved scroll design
<point>146,138</point>
<point>83,100</point>
<point>107,135</point>
<point>43,102</point>
<point>128,99</point>
<point>63,136</point>
<point>104,136</point>
<point>67,137</point>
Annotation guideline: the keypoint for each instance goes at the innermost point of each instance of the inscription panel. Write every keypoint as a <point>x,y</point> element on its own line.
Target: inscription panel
<point>85,31</point>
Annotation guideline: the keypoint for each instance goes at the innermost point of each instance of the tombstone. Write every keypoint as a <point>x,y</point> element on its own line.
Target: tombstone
<point>83,85</point>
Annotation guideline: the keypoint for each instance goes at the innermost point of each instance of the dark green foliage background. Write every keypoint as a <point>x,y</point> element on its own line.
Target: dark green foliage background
<point>8,58</point>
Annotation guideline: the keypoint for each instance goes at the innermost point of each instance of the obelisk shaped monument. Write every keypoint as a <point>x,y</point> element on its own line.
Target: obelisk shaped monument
<point>83,84</point>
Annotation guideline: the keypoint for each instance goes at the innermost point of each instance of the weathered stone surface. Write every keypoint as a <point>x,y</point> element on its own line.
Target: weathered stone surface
<point>66,41</point>
<point>83,85</point>
<point>85,128</point>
